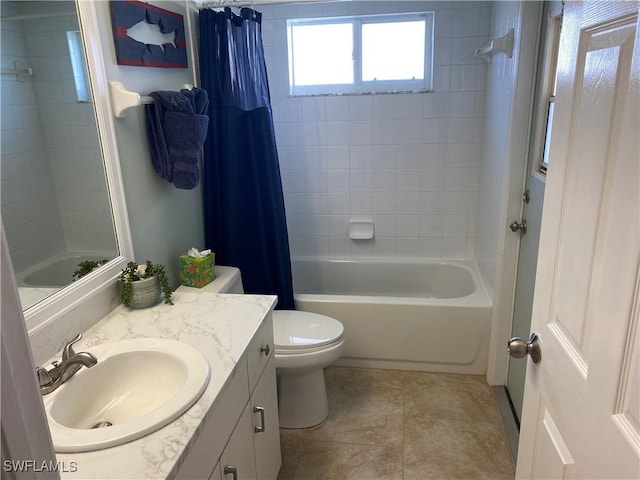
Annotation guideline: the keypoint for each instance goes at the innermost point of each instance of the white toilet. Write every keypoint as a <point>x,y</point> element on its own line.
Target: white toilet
<point>305,343</point>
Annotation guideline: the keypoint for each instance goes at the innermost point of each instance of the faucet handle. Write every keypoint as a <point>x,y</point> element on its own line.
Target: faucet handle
<point>44,378</point>
<point>68,351</point>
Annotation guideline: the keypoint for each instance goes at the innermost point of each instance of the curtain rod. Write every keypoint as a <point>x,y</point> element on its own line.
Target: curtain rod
<point>255,3</point>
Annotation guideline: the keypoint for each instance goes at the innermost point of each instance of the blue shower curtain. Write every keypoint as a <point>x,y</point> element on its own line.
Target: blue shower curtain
<point>245,220</point>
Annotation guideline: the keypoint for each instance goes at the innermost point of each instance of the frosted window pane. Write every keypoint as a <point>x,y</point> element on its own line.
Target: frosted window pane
<point>322,54</point>
<point>393,51</point>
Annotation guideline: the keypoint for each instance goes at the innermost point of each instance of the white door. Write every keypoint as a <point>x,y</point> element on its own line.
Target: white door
<point>581,409</point>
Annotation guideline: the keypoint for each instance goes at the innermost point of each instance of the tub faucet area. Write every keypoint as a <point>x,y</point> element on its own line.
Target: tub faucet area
<point>62,371</point>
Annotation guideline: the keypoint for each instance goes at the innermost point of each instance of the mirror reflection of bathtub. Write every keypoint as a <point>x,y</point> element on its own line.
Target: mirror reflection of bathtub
<point>44,279</point>
<point>55,200</point>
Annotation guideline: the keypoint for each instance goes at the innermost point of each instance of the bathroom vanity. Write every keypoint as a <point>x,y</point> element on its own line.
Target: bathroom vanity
<point>232,430</point>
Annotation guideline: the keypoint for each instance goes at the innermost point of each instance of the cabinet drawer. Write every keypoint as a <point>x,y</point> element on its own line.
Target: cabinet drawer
<point>260,350</point>
<point>218,425</point>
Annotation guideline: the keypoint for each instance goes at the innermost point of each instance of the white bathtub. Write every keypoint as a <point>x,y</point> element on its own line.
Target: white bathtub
<point>430,316</point>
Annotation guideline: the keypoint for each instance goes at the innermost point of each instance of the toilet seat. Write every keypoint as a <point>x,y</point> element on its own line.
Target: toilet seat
<point>296,332</point>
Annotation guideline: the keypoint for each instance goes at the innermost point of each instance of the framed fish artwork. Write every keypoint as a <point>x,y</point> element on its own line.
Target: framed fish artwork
<point>148,36</point>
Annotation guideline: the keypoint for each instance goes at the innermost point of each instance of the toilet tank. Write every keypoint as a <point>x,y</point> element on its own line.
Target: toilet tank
<point>228,280</point>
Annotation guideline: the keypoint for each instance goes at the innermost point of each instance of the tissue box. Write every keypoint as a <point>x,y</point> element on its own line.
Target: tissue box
<point>197,272</point>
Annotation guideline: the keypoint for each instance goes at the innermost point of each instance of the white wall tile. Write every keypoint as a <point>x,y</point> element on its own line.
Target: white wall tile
<point>410,160</point>
<point>337,157</point>
<point>338,180</point>
<point>431,247</point>
<point>408,247</point>
<point>337,133</point>
<point>408,226</point>
<point>385,225</point>
<point>361,203</point>
<point>384,180</point>
<point>455,248</point>
<point>361,156</point>
<point>360,133</point>
<point>431,225</point>
<point>361,180</point>
<point>384,247</point>
<point>339,203</point>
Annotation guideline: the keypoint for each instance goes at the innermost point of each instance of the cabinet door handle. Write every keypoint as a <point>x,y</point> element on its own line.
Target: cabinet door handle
<point>229,469</point>
<point>266,350</point>
<point>259,428</point>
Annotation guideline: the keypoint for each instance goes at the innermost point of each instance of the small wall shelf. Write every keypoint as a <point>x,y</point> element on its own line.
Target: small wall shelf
<point>361,229</point>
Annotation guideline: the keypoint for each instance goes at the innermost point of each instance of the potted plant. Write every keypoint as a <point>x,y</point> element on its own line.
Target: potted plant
<point>141,285</point>
<point>87,266</point>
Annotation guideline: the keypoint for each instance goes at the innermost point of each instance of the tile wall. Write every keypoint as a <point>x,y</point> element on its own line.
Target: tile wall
<point>410,162</point>
<point>494,160</point>
<point>54,195</point>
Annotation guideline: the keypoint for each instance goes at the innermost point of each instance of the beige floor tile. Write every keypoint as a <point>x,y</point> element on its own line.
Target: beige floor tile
<point>340,461</point>
<point>386,424</point>
<point>365,407</point>
<point>291,448</point>
<point>449,449</point>
<point>452,397</point>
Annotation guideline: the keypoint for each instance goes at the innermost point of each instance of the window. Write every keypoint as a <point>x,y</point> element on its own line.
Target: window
<point>363,54</point>
<point>79,66</point>
<point>553,37</point>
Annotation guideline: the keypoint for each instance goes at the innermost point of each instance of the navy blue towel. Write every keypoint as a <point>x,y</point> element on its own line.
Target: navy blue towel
<point>176,129</point>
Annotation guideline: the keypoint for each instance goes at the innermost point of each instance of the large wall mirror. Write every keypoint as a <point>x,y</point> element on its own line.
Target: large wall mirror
<point>62,199</point>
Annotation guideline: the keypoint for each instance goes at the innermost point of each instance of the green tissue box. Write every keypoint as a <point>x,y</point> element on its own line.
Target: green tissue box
<point>197,272</point>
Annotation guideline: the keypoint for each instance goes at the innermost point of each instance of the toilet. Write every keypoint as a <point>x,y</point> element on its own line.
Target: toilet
<point>305,343</point>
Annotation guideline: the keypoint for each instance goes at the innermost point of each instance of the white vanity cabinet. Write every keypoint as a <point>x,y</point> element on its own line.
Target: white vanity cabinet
<point>266,426</point>
<point>240,438</point>
<point>238,459</point>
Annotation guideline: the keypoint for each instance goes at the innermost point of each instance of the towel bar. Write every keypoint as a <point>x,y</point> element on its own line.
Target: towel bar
<point>503,44</point>
<point>20,70</point>
<point>123,99</point>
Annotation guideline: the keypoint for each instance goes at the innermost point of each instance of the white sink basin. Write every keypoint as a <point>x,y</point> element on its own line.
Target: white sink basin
<point>137,386</point>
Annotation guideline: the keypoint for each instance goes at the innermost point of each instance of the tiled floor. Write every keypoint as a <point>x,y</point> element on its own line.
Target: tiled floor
<point>386,424</point>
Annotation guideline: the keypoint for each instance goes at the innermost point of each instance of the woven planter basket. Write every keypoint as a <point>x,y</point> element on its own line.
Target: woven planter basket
<point>145,293</point>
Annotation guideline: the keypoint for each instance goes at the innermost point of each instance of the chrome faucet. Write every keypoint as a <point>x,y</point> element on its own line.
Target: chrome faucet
<point>62,371</point>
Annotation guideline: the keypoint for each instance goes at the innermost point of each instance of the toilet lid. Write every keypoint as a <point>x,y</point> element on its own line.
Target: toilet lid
<point>295,330</point>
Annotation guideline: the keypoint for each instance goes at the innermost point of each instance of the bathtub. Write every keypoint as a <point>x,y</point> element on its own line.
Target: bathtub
<point>408,315</point>
<point>57,271</point>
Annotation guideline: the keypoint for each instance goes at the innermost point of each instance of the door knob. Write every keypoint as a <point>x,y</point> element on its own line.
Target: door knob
<point>515,226</point>
<point>519,348</point>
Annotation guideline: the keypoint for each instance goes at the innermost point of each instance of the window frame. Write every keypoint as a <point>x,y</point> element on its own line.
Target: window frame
<point>371,86</point>
<point>551,72</point>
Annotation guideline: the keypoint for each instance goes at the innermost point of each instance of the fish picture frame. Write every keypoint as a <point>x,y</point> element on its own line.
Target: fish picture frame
<point>148,36</point>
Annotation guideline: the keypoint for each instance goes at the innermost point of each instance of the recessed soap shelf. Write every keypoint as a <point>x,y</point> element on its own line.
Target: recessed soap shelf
<point>361,229</point>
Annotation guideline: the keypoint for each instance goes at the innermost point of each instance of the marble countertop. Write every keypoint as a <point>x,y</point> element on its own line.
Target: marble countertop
<point>219,326</point>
